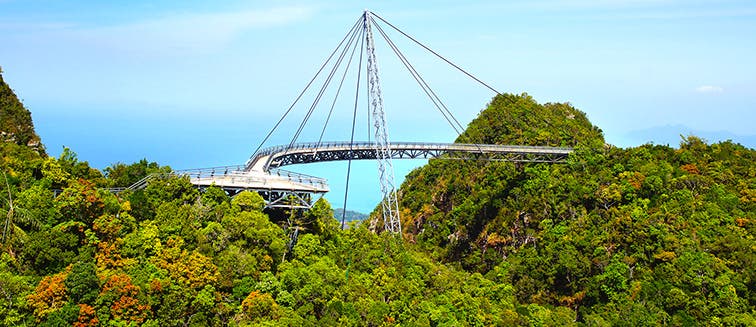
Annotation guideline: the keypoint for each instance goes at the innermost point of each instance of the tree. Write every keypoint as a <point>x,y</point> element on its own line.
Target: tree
<point>321,219</point>
<point>120,301</point>
<point>49,251</point>
<point>248,201</point>
<point>49,295</point>
<point>69,162</point>
<point>14,215</point>
<point>122,175</point>
<point>259,306</point>
<point>14,287</point>
<point>82,283</point>
<point>81,202</point>
<point>190,269</point>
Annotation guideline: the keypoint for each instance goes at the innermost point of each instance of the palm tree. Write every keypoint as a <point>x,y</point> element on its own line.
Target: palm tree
<point>13,215</point>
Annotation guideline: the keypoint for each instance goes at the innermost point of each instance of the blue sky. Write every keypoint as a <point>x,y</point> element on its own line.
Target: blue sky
<point>196,84</point>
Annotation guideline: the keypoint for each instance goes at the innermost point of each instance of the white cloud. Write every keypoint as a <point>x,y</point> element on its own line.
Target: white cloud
<point>190,33</point>
<point>709,89</point>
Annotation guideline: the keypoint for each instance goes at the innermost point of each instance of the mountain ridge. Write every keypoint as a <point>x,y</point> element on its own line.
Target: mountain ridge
<point>599,233</point>
<point>16,124</point>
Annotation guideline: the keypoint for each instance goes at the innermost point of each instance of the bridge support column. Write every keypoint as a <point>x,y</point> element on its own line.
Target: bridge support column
<point>390,203</point>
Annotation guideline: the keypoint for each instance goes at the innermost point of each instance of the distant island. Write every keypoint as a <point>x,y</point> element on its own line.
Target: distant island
<point>350,215</point>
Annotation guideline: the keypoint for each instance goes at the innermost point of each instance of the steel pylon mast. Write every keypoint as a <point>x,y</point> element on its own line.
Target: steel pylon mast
<point>390,204</point>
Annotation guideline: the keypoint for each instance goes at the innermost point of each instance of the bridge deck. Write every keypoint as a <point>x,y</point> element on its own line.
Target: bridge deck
<point>275,179</point>
<point>284,155</point>
<point>279,188</point>
<point>282,188</point>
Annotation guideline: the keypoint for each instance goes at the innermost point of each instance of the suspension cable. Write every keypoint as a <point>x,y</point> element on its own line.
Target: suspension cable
<point>367,94</point>
<point>321,92</point>
<point>435,99</point>
<point>447,61</point>
<point>338,91</point>
<point>286,113</point>
<point>354,121</point>
<point>423,84</point>
<point>435,53</point>
<point>323,89</point>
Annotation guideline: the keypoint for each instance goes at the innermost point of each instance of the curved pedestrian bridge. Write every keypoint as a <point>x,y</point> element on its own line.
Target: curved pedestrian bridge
<point>282,188</point>
<point>300,153</point>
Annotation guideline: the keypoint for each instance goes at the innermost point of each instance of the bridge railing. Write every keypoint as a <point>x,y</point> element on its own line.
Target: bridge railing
<point>235,173</point>
<point>211,171</point>
<point>300,178</point>
<point>238,174</point>
<point>415,145</point>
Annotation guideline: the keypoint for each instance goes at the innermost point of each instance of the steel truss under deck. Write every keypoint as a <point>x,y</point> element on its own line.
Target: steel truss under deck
<point>301,153</point>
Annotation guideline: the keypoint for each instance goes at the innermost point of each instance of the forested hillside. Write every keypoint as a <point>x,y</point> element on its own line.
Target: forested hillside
<point>169,255</point>
<point>620,236</point>
<point>614,237</point>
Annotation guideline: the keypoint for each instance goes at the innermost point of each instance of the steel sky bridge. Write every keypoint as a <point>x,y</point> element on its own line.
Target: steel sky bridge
<point>282,188</point>
<point>278,156</point>
<point>286,189</point>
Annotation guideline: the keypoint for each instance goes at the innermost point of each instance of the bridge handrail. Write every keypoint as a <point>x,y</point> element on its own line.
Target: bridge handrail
<point>298,177</point>
<point>237,172</point>
<point>315,145</point>
<point>211,170</point>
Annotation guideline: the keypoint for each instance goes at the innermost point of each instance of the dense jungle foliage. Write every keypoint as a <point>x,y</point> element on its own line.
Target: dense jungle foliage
<point>648,235</point>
